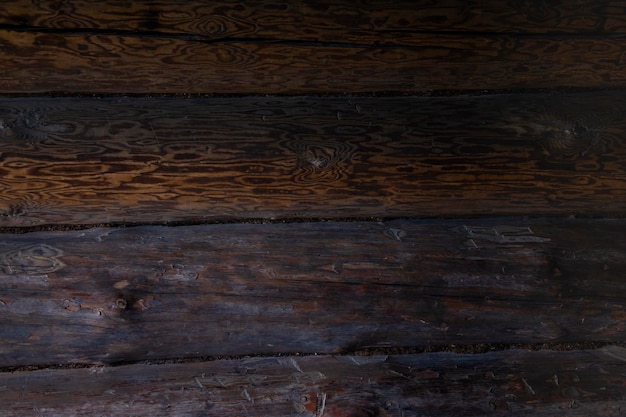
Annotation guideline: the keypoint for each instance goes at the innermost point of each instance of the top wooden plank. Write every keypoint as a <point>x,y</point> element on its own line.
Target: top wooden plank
<point>87,63</point>
<point>273,48</point>
<point>134,160</point>
<point>344,20</point>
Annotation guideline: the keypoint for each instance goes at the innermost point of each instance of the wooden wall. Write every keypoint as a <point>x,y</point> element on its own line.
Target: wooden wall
<point>312,208</point>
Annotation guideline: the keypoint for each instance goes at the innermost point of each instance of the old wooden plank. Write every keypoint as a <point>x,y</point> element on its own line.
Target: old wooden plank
<point>43,62</point>
<point>332,21</point>
<point>108,295</point>
<point>163,159</point>
<point>543,383</point>
<point>319,20</point>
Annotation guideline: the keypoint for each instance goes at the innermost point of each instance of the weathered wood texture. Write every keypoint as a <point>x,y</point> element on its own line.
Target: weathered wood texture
<point>153,293</point>
<point>161,159</point>
<point>42,62</point>
<point>124,294</point>
<point>339,20</point>
<point>575,384</point>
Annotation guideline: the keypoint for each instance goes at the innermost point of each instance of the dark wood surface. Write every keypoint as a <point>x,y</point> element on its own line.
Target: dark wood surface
<point>127,294</point>
<point>575,384</point>
<point>45,62</point>
<point>138,160</point>
<point>309,47</point>
<point>339,20</point>
<point>468,111</point>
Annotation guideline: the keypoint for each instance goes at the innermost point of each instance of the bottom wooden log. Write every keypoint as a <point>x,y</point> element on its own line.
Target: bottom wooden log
<point>148,293</point>
<point>541,383</point>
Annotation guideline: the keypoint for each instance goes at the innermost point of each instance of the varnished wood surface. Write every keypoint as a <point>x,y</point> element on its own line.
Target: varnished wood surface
<point>331,21</point>
<point>153,160</point>
<point>575,384</point>
<point>49,62</point>
<point>124,294</point>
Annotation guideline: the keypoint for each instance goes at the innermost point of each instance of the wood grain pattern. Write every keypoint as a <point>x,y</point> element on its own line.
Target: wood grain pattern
<point>576,384</point>
<point>41,62</point>
<point>150,292</point>
<point>103,298</point>
<point>154,160</point>
<point>331,21</point>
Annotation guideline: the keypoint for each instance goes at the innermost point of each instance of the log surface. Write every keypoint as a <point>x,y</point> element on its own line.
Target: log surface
<point>140,312</point>
<point>339,20</point>
<point>126,294</point>
<point>131,160</point>
<point>50,62</point>
<point>576,384</point>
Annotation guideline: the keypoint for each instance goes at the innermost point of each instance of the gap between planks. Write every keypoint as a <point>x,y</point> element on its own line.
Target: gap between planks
<point>16,230</point>
<point>457,349</point>
<point>305,42</point>
<point>448,92</point>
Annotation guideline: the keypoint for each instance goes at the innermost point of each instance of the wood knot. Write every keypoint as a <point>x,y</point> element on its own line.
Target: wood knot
<point>570,141</point>
<point>322,161</point>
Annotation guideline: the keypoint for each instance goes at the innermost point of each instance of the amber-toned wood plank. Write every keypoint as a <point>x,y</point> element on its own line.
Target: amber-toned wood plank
<point>154,160</point>
<point>36,62</point>
<point>108,295</point>
<point>544,383</point>
<point>331,21</point>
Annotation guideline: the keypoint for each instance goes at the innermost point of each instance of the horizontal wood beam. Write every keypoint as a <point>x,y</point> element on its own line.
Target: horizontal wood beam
<point>137,160</point>
<point>109,295</point>
<point>339,20</point>
<point>44,62</point>
<point>544,383</point>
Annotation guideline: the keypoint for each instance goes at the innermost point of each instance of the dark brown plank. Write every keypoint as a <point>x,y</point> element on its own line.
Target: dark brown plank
<point>544,383</point>
<point>43,62</point>
<point>108,295</point>
<point>154,160</point>
<point>333,21</point>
